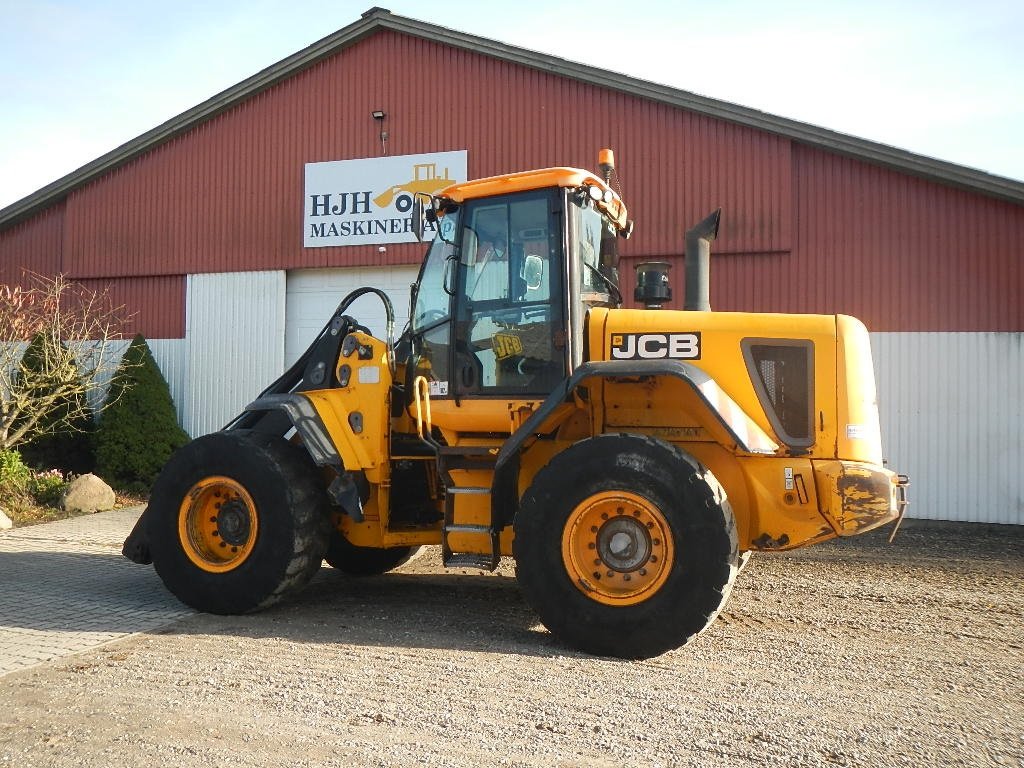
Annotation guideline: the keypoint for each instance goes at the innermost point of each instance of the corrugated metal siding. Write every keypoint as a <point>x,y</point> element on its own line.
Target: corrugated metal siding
<point>228,195</point>
<point>901,253</point>
<point>171,356</point>
<point>34,245</point>
<point>952,411</point>
<point>154,306</point>
<point>235,341</point>
<point>313,295</point>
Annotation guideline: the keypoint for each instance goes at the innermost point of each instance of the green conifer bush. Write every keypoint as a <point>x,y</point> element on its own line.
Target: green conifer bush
<point>138,430</point>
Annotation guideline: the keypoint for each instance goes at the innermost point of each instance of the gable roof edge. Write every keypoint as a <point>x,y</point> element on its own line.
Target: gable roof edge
<point>378,18</point>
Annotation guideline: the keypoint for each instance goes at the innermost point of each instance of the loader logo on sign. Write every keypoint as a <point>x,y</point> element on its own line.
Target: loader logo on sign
<point>656,346</point>
<point>364,202</point>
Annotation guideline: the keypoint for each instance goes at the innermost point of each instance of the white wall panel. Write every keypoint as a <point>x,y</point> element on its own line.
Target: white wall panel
<point>952,411</point>
<point>313,295</point>
<point>234,330</point>
<point>171,355</point>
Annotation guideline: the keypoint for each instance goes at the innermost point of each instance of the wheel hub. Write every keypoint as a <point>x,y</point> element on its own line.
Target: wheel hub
<point>623,544</point>
<point>617,548</point>
<point>217,524</point>
<point>233,522</point>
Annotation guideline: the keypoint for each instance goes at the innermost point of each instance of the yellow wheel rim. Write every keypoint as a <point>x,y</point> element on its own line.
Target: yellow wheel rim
<point>617,548</point>
<point>217,524</point>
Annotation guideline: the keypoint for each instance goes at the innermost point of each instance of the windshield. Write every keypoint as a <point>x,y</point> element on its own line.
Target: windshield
<point>597,256</point>
<point>593,268</point>
<point>431,300</point>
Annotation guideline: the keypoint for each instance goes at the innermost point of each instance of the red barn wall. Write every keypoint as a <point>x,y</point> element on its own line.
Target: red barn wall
<point>803,229</point>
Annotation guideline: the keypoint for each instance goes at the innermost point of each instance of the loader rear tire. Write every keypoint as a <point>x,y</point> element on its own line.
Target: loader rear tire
<point>625,546</point>
<point>237,520</point>
<point>364,561</point>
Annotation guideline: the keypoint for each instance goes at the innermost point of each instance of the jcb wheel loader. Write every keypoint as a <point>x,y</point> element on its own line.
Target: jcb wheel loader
<point>628,459</point>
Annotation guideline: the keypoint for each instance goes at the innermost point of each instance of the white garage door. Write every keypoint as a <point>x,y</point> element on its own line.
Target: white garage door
<point>314,294</point>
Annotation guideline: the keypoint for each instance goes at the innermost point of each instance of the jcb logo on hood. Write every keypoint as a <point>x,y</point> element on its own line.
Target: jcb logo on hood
<point>655,346</point>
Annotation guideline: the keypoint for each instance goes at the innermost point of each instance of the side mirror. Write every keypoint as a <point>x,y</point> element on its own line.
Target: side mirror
<point>533,272</point>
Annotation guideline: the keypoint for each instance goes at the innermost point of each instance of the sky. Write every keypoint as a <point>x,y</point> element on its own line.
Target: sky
<point>940,78</point>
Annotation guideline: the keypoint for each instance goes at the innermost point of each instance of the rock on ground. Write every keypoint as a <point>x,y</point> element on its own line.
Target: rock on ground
<point>88,493</point>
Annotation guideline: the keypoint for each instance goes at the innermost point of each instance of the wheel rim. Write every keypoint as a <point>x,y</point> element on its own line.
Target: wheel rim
<point>217,524</point>
<point>617,548</point>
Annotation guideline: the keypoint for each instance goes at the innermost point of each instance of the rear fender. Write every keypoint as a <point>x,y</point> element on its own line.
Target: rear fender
<point>742,434</point>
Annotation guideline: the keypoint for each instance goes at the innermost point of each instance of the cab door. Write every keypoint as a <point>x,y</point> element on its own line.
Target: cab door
<point>491,323</point>
<point>510,336</point>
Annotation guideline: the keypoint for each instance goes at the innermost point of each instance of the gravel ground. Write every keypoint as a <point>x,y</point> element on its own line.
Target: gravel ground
<point>854,653</point>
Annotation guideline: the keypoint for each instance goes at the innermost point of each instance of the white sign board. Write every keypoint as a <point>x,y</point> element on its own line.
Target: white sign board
<point>364,202</point>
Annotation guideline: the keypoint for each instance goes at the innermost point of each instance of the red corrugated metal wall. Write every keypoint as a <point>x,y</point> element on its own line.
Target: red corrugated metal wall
<point>228,195</point>
<point>33,245</point>
<point>154,306</point>
<point>902,253</point>
<point>803,229</point>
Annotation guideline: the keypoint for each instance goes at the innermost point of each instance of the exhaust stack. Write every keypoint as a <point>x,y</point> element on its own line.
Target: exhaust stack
<point>698,263</point>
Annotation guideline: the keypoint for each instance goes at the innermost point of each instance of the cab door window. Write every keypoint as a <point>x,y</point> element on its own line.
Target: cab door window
<point>510,327</point>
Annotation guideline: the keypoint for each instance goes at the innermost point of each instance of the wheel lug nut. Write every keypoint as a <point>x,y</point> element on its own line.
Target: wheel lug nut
<point>216,533</point>
<point>643,571</point>
<point>223,543</point>
<point>657,542</point>
<point>611,574</point>
<point>234,549</point>
<point>626,577</point>
<point>650,524</point>
<point>604,515</point>
<point>597,575</point>
<point>591,545</point>
<point>593,529</point>
<point>620,511</point>
<point>597,561</point>
<point>213,519</point>
<point>654,558</point>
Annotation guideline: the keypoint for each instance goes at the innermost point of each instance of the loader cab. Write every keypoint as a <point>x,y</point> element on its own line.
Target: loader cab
<point>499,308</point>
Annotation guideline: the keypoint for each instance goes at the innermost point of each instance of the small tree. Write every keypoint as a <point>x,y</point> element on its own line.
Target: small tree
<point>139,430</point>
<point>75,328</point>
<point>65,438</point>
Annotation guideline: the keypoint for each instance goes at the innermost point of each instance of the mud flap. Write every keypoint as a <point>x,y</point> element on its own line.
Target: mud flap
<point>136,546</point>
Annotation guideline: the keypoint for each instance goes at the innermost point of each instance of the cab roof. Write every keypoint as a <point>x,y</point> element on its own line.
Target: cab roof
<point>542,178</point>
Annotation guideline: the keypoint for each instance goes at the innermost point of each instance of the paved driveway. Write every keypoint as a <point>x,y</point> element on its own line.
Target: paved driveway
<point>64,588</point>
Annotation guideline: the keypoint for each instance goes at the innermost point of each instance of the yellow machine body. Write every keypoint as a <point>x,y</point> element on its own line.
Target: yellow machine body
<point>783,496</point>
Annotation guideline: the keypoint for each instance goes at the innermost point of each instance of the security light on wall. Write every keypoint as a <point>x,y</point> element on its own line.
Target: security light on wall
<point>379,115</point>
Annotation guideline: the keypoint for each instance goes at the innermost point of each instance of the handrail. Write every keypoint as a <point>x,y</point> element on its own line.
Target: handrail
<point>421,399</point>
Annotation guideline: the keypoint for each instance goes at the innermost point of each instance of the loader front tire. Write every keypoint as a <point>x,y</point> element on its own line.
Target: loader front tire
<point>236,521</point>
<point>625,546</point>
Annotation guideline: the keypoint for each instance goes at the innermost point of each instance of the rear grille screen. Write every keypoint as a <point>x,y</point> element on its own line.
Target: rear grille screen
<point>781,370</point>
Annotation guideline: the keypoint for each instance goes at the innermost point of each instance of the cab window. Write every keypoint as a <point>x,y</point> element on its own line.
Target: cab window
<point>510,326</point>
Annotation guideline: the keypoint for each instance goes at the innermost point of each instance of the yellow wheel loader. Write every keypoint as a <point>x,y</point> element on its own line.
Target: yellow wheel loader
<point>627,459</point>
